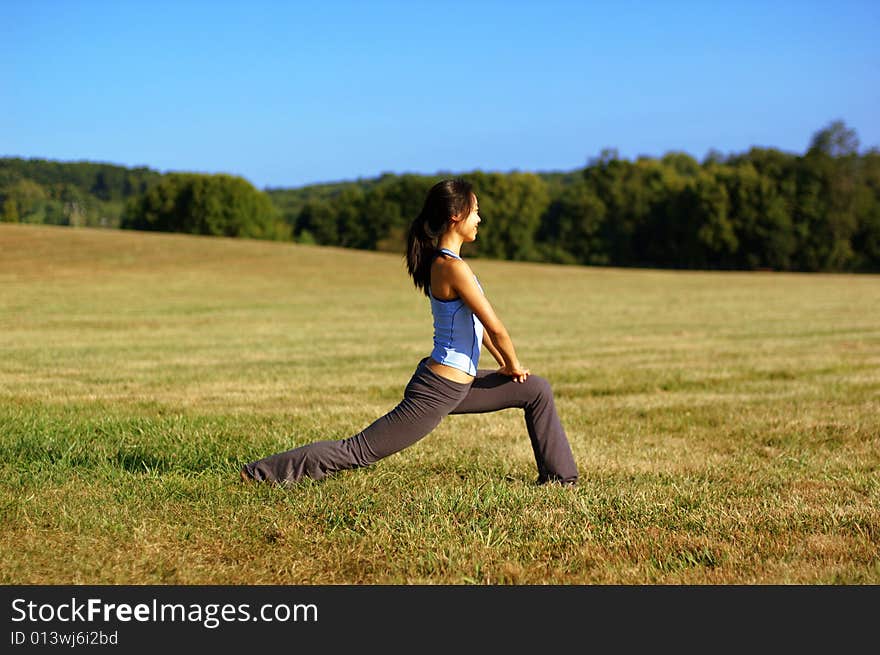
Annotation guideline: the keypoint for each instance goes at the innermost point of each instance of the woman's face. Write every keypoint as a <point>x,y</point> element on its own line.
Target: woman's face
<point>467,226</point>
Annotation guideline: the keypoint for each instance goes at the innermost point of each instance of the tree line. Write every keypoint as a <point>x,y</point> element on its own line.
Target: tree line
<point>761,209</point>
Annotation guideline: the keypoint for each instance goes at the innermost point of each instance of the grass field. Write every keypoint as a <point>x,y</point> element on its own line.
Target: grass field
<point>726,425</point>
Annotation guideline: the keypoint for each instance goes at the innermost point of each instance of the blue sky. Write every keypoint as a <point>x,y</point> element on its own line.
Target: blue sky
<point>287,94</point>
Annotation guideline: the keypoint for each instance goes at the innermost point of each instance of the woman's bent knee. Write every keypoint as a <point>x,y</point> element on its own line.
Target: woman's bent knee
<point>539,387</point>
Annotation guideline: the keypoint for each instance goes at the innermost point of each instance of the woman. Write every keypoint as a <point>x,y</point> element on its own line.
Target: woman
<point>447,382</point>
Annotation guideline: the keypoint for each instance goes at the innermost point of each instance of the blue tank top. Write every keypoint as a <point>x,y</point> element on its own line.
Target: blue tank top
<point>458,334</point>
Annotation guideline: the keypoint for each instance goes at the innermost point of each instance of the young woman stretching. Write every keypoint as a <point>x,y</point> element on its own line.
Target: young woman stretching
<point>447,382</point>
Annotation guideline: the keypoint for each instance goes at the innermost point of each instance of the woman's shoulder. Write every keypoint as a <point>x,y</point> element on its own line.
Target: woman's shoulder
<point>451,265</point>
<point>458,276</point>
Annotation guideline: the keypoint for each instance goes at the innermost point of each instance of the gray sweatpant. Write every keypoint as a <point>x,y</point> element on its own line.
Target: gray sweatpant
<point>427,399</point>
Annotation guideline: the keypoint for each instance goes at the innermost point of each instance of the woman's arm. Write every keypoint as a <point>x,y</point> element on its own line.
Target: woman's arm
<point>487,343</point>
<point>461,279</point>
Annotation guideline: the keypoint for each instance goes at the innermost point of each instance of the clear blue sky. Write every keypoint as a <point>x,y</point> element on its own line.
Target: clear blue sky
<point>292,93</point>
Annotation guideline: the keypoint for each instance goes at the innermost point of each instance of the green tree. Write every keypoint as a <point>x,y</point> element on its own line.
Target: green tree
<point>834,140</point>
<point>611,181</point>
<point>9,210</point>
<point>827,205</point>
<point>866,240</point>
<point>24,201</point>
<point>570,230</point>
<point>511,206</point>
<point>317,224</point>
<point>352,223</point>
<point>702,234</point>
<point>397,200</point>
<point>682,163</point>
<point>220,205</point>
<point>760,218</point>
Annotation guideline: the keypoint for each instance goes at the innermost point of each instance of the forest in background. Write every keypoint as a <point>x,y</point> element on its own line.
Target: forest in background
<point>757,210</point>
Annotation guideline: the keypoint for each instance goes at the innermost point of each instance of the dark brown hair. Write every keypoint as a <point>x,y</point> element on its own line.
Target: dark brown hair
<point>447,198</point>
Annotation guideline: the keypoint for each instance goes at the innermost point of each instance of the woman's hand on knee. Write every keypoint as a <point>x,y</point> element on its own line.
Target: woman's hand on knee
<point>515,372</point>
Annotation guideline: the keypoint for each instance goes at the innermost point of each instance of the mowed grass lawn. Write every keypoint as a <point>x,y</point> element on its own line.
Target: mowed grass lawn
<point>726,425</point>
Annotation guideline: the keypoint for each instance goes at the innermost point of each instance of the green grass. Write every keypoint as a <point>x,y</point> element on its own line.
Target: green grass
<point>726,425</point>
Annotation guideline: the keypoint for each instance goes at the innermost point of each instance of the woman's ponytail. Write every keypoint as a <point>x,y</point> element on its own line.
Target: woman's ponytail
<point>419,251</point>
<point>445,199</point>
